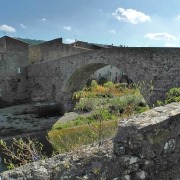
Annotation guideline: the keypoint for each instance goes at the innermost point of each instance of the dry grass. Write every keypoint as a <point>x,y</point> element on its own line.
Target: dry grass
<point>70,138</point>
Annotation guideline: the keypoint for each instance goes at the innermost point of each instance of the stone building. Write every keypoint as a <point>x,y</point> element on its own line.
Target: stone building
<point>13,71</point>
<point>109,72</point>
<point>51,50</point>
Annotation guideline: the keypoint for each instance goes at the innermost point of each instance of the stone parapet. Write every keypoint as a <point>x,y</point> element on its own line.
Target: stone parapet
<point>147,146</point>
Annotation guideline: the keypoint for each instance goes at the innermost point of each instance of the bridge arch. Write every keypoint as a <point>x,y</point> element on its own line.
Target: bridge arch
<point>68,74</point>
<point>77,80</point>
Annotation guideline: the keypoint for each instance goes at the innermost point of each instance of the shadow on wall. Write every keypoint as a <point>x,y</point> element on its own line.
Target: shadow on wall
<point>42,106</point>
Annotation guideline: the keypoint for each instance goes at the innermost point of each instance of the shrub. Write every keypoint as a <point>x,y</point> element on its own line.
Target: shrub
<point>121,86</point>
<point>94,84</point>
<point>108,84</point>
<point>126,104</point>
<point>117,106</point>
<point>173,95</point>
<point>86,104</point>
<point>102,80</point>
<point>21,152</point>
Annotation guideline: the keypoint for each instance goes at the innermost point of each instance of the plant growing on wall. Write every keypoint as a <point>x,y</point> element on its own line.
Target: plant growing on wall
<point>173,95</point>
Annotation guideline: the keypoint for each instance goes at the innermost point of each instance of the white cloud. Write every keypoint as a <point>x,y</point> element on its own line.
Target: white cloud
<point>23,26</point>
<point>131,15</point>
<point>178,17</point>
<point>160,36</point>
<point>112,31</point>
<point>43,19</point>
<point>7,28</point>
<point>67,28</point>
<point>69,41</point>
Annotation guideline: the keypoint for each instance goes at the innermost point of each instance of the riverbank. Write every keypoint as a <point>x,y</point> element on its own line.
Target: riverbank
<point>22,119</point>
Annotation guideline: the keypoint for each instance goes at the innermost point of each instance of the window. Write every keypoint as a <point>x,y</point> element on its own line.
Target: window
<point>19,70</point>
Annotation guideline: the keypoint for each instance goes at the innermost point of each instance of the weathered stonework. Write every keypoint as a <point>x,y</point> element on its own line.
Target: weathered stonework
<point>13,71</point>
<point>147,146</point>
<point>69,74</point>
<point>60,69</point>
<point>52,50</point>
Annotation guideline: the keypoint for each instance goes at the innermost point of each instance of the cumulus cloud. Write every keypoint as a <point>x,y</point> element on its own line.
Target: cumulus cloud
<point>112,31</point>
<point>43,19</point>
<point>69,41</point>
<point>160,36</point>
<point>131,15</point>
<point>23,26</point>
<point>67,28</point>
<point>7,28</point>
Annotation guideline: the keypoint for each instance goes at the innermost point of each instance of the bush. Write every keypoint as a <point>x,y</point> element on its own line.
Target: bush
<point>117,106</point>
<point>94,84</point>
<point>125,103</point>
<point>102,80</point>
<point>173,95</point>
<point>121,86</point>
<point>86,104</point>
<point>108,84</point>
<point>21,152</point>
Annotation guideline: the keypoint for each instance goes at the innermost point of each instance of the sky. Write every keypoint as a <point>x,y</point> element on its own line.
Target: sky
<point>133,23</point>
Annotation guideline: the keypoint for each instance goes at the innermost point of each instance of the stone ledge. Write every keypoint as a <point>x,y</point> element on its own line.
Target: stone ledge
<point>146,146</point>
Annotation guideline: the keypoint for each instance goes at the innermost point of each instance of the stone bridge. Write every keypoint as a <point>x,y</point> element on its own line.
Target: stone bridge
<point>56,80</point>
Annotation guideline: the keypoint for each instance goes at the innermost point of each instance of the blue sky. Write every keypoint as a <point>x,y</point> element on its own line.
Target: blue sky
<point>127,22</point>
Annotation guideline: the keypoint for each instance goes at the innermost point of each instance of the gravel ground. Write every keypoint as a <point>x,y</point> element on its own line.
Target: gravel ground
<point>20,119</point>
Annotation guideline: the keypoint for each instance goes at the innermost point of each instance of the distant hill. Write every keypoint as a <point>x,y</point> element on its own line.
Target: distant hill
<point>31,41</point>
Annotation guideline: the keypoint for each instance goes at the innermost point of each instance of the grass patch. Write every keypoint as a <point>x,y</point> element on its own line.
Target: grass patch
<point>80,120</point>
<point>70,138</point>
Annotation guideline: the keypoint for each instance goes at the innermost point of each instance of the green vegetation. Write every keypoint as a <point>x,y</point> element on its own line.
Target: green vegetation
<point>31,41</point>
<point>105,104</point>
<point>21,151</point>
<point>173,95</point>
<point>72,137</point>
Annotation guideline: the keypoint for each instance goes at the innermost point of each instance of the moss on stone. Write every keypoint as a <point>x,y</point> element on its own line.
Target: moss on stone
<point>158,137</point>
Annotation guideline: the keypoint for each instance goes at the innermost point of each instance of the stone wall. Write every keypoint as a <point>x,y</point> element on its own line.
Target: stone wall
<point>52,50</point>
<point>13,71</point>
<point>146,147</point>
